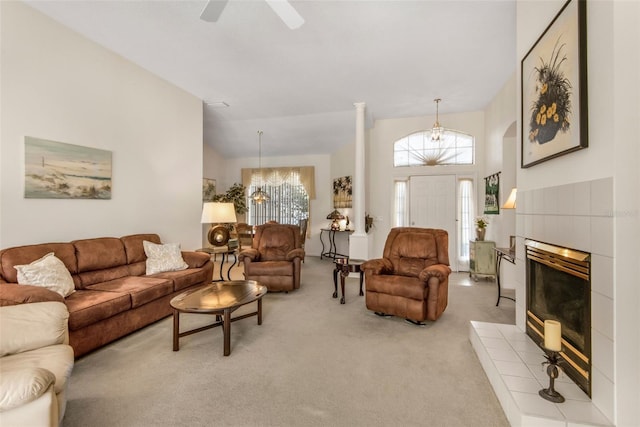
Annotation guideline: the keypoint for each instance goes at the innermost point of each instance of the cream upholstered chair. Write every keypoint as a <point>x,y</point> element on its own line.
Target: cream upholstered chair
<point>411,280</point>
<point>35,363</point>
<point>275,257</point>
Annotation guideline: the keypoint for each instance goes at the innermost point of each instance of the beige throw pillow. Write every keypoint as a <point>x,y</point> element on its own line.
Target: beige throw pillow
<point>160,258</point>
<point>47,272</point>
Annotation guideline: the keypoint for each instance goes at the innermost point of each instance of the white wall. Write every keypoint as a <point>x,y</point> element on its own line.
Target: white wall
<point>60,86</point>
<point>500,154</point>
<point>613,57</point>
<point>626,158</point>
<point>500,118</point>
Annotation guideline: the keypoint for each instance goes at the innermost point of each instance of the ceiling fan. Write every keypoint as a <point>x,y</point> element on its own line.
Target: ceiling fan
<point>213,9</point>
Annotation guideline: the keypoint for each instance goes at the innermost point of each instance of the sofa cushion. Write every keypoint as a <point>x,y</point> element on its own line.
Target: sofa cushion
<point>275,242</point>
<point>47,272</point>
<point>411,253</point>
<point>404,286</point>
<point>185,278</point>
<point>57,359</point>
<point>99,254</point>
<point>23,385</point>
<point>133,246</point>
<point>272,268</point>
<point>89,278</point>
<point>88,306</point>
<point>25,254</point>
<point>141,289</point>
<point>160,258</point>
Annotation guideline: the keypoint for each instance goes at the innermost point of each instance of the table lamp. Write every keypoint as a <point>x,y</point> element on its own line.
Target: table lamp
<point>336,217</point>
<point>219,215</point>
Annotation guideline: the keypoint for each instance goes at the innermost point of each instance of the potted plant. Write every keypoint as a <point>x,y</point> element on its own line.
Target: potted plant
<point>236,194</point>
<point>481,227</point>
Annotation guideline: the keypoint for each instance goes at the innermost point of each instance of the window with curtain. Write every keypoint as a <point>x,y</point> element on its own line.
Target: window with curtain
<point>400,212</point>
<point>465,224</point>
<point>417,149</point>
<point>290,189</point>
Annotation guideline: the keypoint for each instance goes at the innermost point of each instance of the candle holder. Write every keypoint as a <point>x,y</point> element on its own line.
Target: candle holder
<point>553,357</point>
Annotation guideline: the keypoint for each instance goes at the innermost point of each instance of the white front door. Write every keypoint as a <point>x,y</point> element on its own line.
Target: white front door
<point>432,204</point>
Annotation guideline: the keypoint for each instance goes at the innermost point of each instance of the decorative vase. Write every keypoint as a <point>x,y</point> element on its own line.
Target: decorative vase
<point>480,234</point>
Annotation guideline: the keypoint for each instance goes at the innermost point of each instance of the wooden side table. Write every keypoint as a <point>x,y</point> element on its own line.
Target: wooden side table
<point>226,252</point>
<point>344,266</point>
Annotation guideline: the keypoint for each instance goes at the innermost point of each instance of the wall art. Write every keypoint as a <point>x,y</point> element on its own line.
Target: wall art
<point>342,192</point>
<point>208,189</point>
<point>491,191</point>
<point>554,88</point>
<point>56,170</point>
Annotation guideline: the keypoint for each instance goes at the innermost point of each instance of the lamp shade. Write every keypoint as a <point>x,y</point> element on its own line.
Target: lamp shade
<point>218,213</point>
<point>511,201</point>
<point>335,215</point>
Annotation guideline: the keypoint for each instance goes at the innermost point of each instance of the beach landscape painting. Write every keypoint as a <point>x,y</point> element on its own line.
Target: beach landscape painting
<point>56,170</point>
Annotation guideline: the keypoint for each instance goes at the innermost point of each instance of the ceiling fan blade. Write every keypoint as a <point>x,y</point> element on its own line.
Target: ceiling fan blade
<point>287,13</point>
<point>212,10</point>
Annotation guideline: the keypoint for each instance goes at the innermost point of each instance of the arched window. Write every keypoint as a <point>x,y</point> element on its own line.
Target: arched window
<point>417,149</point>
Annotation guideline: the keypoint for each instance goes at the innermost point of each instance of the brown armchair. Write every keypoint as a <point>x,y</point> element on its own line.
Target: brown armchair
<point>412,278</point>
<point>275,257</point>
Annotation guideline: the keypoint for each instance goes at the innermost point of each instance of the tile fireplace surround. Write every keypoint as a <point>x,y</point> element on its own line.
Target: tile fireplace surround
<point>577,216</point>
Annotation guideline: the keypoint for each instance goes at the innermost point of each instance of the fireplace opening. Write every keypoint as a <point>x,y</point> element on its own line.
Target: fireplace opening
<point>558,288</point>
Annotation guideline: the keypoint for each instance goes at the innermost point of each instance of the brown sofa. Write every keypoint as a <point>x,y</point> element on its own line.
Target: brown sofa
<point>113,296</point>
<point>274,257</point>
<point>411,280</point>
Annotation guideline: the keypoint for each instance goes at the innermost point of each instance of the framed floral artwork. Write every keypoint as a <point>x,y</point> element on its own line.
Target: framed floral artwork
<point>554,88</point>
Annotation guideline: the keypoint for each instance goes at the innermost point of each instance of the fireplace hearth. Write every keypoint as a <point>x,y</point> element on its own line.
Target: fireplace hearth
<point>558,287</point>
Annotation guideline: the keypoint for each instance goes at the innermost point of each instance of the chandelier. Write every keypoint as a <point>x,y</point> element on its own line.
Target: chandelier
<point>259,196</point>
<point>437,131</point>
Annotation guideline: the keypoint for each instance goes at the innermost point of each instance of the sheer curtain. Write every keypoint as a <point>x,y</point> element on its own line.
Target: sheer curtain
<point>401,215</point>
<point>465,224</point>
<point>290,188</point>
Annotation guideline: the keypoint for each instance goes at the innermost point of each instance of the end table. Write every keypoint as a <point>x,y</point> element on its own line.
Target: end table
<point>344,266</point>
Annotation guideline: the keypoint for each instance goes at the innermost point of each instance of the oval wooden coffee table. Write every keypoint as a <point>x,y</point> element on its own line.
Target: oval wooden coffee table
<point>221,299</point>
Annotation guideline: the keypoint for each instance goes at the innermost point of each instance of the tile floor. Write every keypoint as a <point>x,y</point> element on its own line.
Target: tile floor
<point>513,364</point>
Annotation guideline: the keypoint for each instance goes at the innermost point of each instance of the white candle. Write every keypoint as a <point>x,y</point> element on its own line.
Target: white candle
<point>552,335</point>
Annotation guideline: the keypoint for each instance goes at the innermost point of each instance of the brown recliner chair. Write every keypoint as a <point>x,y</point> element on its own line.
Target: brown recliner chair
<point>412,278</point>
<point>275,257</point>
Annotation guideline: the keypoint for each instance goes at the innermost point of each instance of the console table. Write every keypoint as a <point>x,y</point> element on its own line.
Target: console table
<point>331,236</point>
<point>509,255</point>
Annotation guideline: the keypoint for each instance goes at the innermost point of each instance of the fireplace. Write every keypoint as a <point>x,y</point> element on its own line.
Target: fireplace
<point>558,286</point>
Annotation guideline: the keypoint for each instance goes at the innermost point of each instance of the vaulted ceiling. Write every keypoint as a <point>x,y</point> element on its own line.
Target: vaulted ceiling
<point>299,86</point>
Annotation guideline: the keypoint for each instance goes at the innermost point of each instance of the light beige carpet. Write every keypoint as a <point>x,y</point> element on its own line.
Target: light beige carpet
<point>313,362</point>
